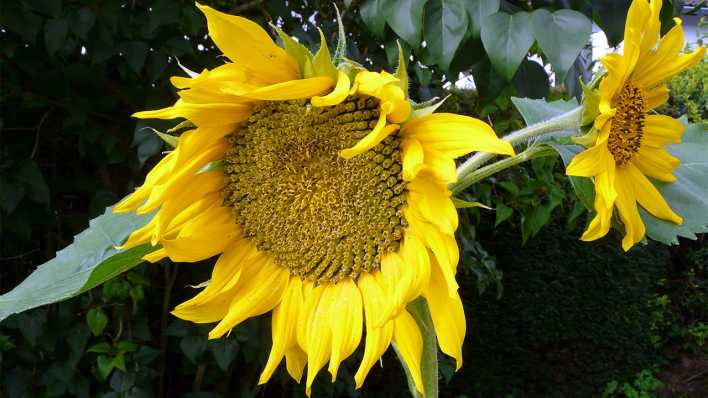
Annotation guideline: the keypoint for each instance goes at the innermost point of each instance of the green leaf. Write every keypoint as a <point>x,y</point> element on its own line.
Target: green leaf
<point>193,346</point>
<point>478,11</point>
<point>91,260</point>
<point>531,80</point>
<point>135,53</point>
<point>507,38</point>
<point>105,366</point>
<point>537,110</point>
<point>224,351</point>
<point>30,176</point>
<point>119,362</point>
<point>373,16</point>
<point>127,346</point>
<point>583,186</point>
<point>561,36</point>
<point>445,26</point>
<point>96,320</point>
<point>503,212</point>
<point>688,195</point>
<point>100,348</point>
<point>610,16</point>
<point>55,31</point>
<point>405,17</point>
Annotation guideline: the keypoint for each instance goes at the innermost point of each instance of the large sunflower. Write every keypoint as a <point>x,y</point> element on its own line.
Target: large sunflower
<point>630,145</point>
<point>330,206</point>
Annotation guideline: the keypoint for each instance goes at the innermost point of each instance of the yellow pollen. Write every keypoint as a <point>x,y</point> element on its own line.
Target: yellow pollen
<point>320,215</point>
<point>627,124</point>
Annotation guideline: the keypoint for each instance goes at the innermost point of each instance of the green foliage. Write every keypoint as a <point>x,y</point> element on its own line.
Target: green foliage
<point>688,93</point>
<point>645,385</point>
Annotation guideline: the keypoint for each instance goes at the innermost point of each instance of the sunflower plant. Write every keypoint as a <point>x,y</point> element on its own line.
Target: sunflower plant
<point>325,193</point>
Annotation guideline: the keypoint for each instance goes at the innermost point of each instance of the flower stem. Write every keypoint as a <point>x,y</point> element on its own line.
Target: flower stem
<point>564,121</point>
<point>429,359</point>
<point>536,151</point>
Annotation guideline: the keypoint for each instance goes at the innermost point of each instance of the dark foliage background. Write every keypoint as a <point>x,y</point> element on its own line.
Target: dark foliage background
<point>551,317</point>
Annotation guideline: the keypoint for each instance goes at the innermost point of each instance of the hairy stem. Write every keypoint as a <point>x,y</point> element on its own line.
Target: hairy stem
<point>563,121</point>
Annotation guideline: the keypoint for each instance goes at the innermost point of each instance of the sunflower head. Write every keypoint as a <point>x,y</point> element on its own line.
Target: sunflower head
<point>628,141</point>
<point>330,207</point>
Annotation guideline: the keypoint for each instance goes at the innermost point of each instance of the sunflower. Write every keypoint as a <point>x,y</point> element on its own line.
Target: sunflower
<point>631,140</point>
<point>322,192</point>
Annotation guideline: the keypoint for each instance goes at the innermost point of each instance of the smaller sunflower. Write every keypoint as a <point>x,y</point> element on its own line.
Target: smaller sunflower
<point>631,141</point>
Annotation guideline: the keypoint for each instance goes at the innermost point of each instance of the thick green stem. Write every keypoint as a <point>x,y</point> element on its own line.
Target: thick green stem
<point>486,171</point>
<point>429,359</point>
<point>568,120</point>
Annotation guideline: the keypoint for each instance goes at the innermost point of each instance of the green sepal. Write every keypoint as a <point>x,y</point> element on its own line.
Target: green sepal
<point>402,70</point>
<point>186,124</point>
<point>586,140</point>
<point>322,62</point>
<point>214,165</point>
<point>464,204</point>
<point>170,140</point>
<point>302,54</point>
<point>591,105</point>
<point>340,52</point>
<point>351,68</point>
<point>426,108</point>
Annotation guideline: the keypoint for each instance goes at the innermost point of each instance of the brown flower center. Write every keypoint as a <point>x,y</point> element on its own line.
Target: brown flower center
<point>321,216</point>
<point>627,124</point>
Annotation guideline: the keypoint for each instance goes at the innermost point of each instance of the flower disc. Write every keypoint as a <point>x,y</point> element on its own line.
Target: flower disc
<point>320,215</point>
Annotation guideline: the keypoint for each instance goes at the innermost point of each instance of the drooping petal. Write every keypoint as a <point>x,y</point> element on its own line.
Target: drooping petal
<point>650,198</point>
<point>412,158</point>
<point>226,115</point>
<point>409,341</point>
<point>255,295</point>
<point>590,162</point>
<point>378,134</point>
<point>455,135</point>
<point>447,314</point>
<point>627,208</point>
<point>290,90</point>
<point>339,94</point>
<point>347,322</point>
<point>283,325</point>
<point>431,200</point>
<point>377,338</point>
<point>246,43</point>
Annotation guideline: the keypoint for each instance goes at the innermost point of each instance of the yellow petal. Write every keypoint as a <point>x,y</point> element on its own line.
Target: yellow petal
<point>432,201</point>
<point>246,43</point>
<point>627,208</point>
<point>650,198</point>
<point>409,342</point>
<point>155,256</point>
<point>378,134</point>
<point>293,89</point>
<point>212,303</point>
<point>377,338</point>
<point>439,165</point>
<point>339,94</point>
<point>447,314</point>
<point>158,174</point>
<point>318,332</point>
<point>295,360</point>
<point>455,135</point>
<point>591,162</point>
<point>283,325</point>
<point>412,158</point>
<point>347,322</point>
<point>656,97</point>
<point>226,115</point>
<point>444,247</point>
<point>661,130</point>
<point>256,295</point>
<point>656,163</point>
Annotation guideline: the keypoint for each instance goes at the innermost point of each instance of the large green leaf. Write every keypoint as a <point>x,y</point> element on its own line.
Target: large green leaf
<point>373,17</point>
<point>531,80</point>
<point>91,260</point>
<point>688,195</point>
<point>445,26</point>
<point>405,17</point>
<point>561,36</point>
<point>478,11</point>
<point>507,38</point>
